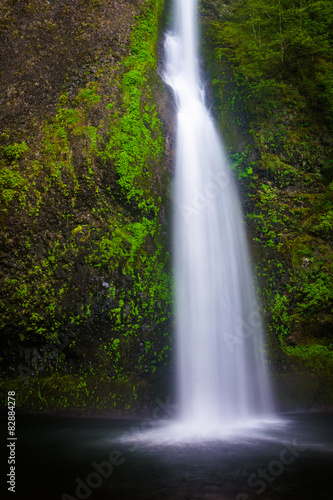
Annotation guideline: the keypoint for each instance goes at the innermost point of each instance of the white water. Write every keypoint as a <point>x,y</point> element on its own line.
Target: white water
<point>221,360</point>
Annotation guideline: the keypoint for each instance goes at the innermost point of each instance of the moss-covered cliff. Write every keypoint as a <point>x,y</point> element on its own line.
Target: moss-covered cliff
<point>86,151</point>
<point>85,165</point>
<point>272,95</point>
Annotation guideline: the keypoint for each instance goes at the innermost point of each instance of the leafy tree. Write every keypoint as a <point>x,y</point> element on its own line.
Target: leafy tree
<point>289,39</point>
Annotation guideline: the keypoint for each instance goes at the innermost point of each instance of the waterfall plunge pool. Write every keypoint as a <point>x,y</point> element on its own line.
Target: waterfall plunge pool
<point>289,459</point>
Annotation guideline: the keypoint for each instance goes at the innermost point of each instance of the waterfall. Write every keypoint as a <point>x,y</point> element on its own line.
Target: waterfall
<point>222,377</point>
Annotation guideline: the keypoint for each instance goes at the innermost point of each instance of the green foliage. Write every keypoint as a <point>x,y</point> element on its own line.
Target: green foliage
<point>60,392</point>
<point>324,225</point>
<point>137,138</point>
<point>275,38</point>
<point>317,357</point>
<point>239,163</point>
<point>113,241</point>
<point>317,292</point>
<point>281,318</point>
<point>268,61</point>
<point>307,351</point>
<point>283,174</point>
<point>92,256</point>
<point>16,151</point>
<point>88,95</point>
<point>12,184</point>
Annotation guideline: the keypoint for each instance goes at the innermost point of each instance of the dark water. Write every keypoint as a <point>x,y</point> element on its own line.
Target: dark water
<point>295,460</point>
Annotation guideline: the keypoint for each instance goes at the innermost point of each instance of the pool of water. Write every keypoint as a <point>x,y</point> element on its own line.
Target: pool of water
<point>101,458</point>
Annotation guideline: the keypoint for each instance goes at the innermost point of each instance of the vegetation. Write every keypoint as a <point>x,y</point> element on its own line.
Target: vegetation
<point>272,78</point>
<point>280,44</point>
<point>86,291</point>
<point>89,294</point>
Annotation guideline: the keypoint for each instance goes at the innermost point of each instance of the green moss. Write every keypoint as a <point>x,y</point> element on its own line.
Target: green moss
<point>12,185</point>
<point>69,392</point>
<point>88,95</point>
<point>16,151</point>
<point>137,137</point>
<point>279,142</point>
<point>108,264</point>
<point>316,357</point>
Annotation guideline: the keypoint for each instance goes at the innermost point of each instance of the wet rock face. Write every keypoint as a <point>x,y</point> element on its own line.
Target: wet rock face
<point>85,159</point>
<point>280,157</point>
<point>48,45</point>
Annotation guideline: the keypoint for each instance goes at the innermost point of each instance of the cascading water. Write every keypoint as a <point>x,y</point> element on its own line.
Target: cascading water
<point>221,360</point>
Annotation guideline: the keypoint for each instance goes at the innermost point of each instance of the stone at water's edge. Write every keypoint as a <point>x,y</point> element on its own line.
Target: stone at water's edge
<point>302,391</point>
